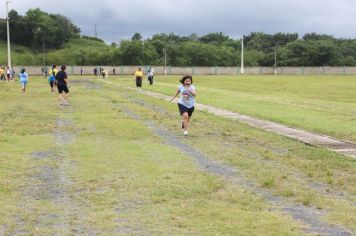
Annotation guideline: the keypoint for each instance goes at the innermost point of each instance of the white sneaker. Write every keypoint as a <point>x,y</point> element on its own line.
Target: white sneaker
<point>185,133</point>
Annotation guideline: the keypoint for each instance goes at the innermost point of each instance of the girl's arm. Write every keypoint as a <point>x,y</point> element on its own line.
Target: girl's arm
<point>178,91</point>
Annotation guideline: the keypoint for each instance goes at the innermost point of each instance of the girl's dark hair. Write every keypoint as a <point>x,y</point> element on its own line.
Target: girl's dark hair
<point>23,70</point>
<point>63,67</point>
<point>54,66</point>
<point>185,78</point>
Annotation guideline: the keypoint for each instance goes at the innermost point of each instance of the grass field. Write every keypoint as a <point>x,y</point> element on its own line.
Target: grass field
<point>115,162</point>
<point>323,104</point>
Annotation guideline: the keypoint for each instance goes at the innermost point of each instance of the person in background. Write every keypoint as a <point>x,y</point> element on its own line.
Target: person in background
<point>8,73</point>
<point>52,77</point>
<point>81,71</point>
<point>23,77</point>
<point>62,86</point>
<point>13,74</point>
<point>2,73</point>
<point>150,75</point>
<point>138,77</point>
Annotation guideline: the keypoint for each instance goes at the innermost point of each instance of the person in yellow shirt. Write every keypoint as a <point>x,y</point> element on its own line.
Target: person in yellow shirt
<point>2,73</point>
<point>139,76</point>
<point>52,77</point>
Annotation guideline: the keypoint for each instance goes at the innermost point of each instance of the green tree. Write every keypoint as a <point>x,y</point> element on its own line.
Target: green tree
<point>132,52</point>
<point>137,36</point>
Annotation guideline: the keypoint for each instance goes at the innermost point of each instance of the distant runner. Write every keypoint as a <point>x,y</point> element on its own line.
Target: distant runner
<point>52,77</point>
<point>62,86</point>
<point>186,101</point>
<point>23,77</point>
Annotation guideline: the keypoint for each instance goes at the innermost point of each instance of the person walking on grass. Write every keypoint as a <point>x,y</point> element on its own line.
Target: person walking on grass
<point>150,75</point>
<point>139,76</point>
<point>62,86</point>
<point>52,77</point>
<point>186,101</point>
<point>23,77</point>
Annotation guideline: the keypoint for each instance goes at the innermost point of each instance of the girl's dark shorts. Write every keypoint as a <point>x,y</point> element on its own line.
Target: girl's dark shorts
<point>62,88</point>
<point>51,83</point>
<point>183,109</point>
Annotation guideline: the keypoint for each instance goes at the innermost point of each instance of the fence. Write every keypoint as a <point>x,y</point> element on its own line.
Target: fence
<point>160,70</point>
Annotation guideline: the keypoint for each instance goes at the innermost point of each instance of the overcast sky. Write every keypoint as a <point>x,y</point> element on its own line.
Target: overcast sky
<point>119,19</point>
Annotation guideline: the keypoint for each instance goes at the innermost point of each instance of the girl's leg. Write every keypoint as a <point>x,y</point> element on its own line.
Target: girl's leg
<point>185,121</point>
<point>65,95</point>
<point>60,98</point>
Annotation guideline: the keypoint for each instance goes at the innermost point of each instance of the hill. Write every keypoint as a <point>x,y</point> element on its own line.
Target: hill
<point>78,51</point>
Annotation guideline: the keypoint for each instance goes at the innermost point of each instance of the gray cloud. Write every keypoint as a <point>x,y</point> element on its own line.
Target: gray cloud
<point>117,20</point>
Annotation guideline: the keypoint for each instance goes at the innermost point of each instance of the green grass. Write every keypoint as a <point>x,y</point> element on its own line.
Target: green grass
<point>20,55</point>
<point>123,178</point>
<point>323,104</point>
<point>286,167</point>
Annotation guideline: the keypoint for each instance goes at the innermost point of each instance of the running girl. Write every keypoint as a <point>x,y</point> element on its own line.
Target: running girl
<point>186,101</point>
<point>23,76</point>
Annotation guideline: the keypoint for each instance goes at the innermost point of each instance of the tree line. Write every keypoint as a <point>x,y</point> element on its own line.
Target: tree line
<point>37,29</point>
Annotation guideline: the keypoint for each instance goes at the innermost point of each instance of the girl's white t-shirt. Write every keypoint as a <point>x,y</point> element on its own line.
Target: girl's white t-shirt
<point>186,98</point>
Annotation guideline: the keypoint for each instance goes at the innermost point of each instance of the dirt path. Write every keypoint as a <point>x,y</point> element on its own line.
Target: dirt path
<point>333,144</point>
<point>307,215</point>
<point>320,188</point>
<point>345,148</point>
<point>48,205</point>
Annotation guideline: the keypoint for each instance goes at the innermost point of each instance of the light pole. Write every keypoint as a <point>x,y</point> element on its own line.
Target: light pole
<point>8,35</point>
<point>165,61</point>
<point>275,60</point>
<point>44,58</point>
<point>242,55</point>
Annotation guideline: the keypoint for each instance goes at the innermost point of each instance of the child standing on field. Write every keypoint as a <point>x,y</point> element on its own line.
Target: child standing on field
<point>186,101</point>
<point>138,77</point>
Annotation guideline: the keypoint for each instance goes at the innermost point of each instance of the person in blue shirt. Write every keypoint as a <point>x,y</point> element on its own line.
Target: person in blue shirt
<point>52,77</point>
<point>23,77</point>
<point>186,101</point>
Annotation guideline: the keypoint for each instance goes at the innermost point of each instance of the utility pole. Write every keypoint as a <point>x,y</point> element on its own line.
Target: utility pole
<point>96,33</point>
<point>44,58</point>
<point>242,55</point>
<point>165,61</point>
<point>8,36</point>
<point>275,61</point>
